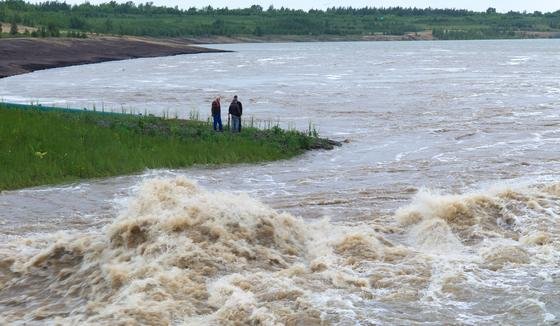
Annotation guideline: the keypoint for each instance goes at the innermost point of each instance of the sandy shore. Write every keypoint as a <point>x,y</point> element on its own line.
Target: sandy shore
<point>23,55</point>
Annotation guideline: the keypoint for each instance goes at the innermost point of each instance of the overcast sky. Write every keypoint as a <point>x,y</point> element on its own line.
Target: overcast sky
<point>480,5</point>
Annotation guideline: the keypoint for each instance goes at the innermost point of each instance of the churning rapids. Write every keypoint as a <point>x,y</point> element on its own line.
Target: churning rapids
<point>443,208</point>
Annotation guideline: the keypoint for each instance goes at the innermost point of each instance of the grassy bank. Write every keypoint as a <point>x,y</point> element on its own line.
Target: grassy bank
<point>38,147</point>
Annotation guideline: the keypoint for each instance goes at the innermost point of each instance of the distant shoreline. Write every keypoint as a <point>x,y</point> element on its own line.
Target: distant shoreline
<point>420,36</point>
<point>413,36</point>
<point>24,55</point>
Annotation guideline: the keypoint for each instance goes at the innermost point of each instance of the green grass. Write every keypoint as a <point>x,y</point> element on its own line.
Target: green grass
<point>38,147</point>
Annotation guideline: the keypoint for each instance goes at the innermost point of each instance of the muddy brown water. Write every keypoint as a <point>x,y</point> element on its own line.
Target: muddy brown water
<point>442,208</point>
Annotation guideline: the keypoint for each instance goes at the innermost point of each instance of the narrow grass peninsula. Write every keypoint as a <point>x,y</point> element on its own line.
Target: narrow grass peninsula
<point>39,147</point>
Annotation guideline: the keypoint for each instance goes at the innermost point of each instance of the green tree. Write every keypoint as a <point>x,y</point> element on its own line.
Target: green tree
<point>256,8</point>
<point>258,31</point>
<point>218,27</point>
<point>43,32</point>
<point>53,30</point>
<point>77,23</point>
<point>13,28</point>
<point>108,25</point>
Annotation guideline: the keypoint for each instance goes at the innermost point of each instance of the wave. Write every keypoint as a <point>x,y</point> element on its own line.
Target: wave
<point>501,227</point>
<point>179,254</point>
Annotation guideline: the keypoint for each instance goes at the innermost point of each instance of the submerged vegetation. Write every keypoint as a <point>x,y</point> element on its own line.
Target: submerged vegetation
<point>44,147</point>
<point>150,20</point>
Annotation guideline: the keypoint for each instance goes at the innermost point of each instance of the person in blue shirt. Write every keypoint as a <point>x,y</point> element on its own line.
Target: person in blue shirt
<point>217,114</point>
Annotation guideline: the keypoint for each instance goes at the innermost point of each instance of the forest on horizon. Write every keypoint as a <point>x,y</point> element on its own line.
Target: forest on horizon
<point>51,17</point>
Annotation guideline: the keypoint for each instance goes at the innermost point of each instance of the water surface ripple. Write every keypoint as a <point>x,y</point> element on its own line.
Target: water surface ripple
<point>478,119</point>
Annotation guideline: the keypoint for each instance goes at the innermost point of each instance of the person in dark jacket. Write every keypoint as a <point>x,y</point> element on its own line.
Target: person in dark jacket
<point>235,110</point>
<point>240,111</point>
<point>217,114</point>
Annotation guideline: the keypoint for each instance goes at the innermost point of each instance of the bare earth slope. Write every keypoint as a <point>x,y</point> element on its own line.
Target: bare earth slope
<point>23,55</point>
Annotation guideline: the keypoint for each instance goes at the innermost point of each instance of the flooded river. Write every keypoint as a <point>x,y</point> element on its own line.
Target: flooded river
<point>441,208</point>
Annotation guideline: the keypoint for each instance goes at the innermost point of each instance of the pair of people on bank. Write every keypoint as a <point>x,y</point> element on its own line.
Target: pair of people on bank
<point>235,112</point>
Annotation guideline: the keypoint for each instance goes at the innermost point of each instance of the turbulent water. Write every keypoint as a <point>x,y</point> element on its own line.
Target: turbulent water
<point>443,207</point>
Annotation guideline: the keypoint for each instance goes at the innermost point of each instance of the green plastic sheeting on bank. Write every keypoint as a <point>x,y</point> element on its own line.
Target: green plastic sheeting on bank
<point>7,105</point>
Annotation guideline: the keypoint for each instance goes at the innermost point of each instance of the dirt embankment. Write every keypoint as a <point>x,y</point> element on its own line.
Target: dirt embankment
<point>23,55</point>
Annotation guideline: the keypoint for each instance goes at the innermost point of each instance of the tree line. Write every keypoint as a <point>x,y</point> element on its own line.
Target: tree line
<point>148,19</point>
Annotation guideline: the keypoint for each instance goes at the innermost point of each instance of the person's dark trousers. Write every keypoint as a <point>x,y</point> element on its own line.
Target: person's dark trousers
<point>240,124</point>
<point>218,122</point>
<point>236,122</point>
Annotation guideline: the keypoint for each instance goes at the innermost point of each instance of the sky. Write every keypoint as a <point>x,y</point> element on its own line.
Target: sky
<point>479,5</point>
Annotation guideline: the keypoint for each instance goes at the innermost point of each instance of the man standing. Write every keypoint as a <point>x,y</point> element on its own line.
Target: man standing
<point>235,110</point>
<point>217,114</point>
<point>240,105</point>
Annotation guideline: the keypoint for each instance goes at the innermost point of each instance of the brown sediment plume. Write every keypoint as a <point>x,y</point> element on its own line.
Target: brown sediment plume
<point>179,254</point>
<point>471,218</point>
<point>456,286</point>
<point>404,282</point>
<point>5,269</point>
<point>493,219</point>
<point>359,248</point>
<point>499,256</point>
